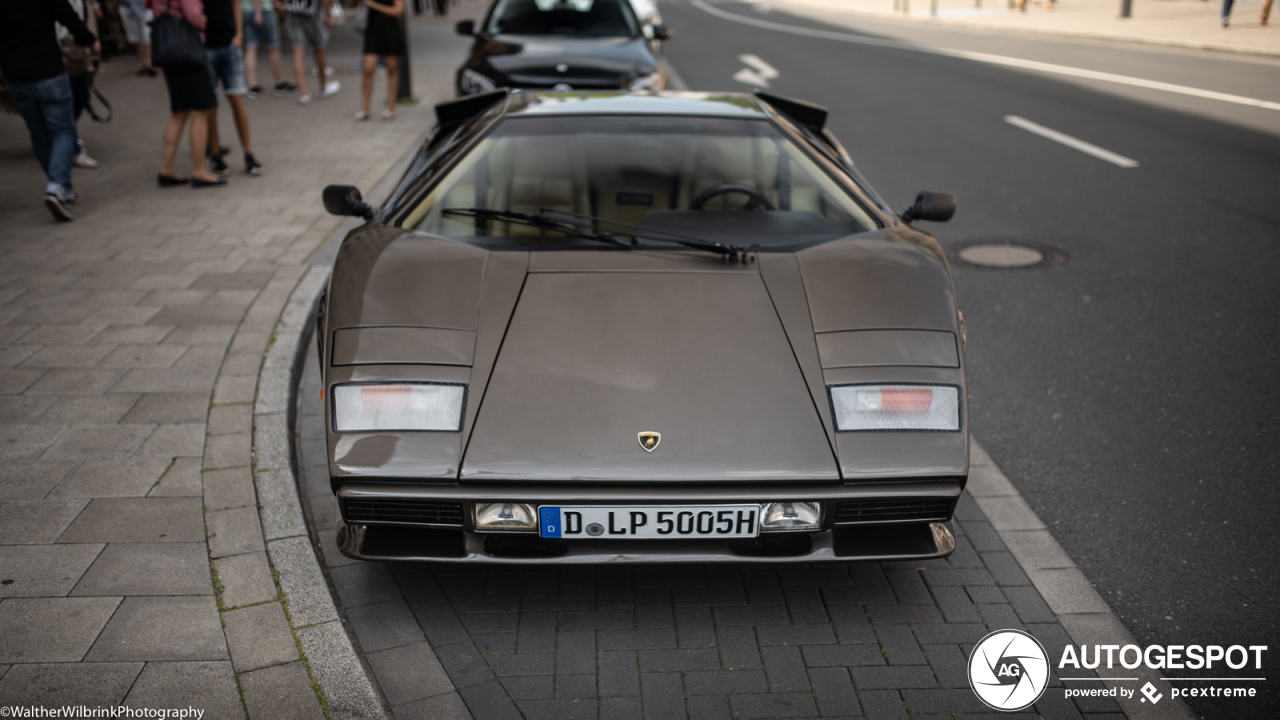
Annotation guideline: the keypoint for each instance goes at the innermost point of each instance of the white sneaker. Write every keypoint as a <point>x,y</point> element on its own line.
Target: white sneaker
<point>331,88</point>
<point>304,98</point>
<point>86,162</point>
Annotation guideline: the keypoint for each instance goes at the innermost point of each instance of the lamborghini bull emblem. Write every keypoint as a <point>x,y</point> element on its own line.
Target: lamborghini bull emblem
<point>649,440</point>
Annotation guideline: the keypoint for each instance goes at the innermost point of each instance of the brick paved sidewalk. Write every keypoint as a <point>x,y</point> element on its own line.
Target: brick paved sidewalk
<point>1182,23</point>
<point>132,563</point>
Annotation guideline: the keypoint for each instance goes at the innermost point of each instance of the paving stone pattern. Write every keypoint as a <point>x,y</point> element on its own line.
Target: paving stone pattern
<point>132,560</point>
<point>874,640</point>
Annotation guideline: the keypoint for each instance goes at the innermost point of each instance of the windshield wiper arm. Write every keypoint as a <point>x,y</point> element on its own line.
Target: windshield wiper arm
<point>731,252</point>
<point>574,228</point>
<point>541,221</point>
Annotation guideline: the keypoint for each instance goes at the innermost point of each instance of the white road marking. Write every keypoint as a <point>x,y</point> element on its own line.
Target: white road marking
<point>758,72</point>
<point>995,60</point>
<point>1076,143</point>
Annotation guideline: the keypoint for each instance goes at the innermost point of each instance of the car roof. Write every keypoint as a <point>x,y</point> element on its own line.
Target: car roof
<point>738,105</point>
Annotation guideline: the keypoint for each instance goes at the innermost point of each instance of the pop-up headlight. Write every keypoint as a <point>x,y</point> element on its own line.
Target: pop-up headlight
<point>896,407</point>
<point>407,406</point>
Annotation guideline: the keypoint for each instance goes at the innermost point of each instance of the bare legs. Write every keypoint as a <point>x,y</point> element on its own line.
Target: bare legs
<point>393,82</point>
<point>370,72</point>
<point>300,68</point>
<point>240,113</point>
<point>198,136</point>
<point>277,67</point>
<point>144,54</point>
<point>366,83</point>
<point>251,64</point>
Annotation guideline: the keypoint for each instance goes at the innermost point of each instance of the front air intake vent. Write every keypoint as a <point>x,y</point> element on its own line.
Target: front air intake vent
<point>402,510</point>
<point>894,509</point>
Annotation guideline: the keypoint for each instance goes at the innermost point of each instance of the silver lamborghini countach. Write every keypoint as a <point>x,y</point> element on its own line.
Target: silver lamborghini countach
<point>624,327</point>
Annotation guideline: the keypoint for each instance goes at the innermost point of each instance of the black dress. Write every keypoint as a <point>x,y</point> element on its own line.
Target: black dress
<point>384,35</point>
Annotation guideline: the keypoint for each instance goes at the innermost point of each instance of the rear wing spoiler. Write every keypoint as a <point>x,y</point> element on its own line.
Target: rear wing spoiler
<point>800,112</point>
<point>456,111</point>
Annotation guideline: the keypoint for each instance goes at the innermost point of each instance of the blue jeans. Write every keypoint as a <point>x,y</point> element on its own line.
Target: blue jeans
<point>47,108</point>
<point>226,65</point>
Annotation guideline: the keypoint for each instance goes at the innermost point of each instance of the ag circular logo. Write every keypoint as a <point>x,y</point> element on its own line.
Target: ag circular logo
<point>1009,670</point>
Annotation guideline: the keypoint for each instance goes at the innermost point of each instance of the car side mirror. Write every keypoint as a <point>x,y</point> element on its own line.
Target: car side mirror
<point>662,32</point>
<point>933,206</point>
<point>465,27</point>
<point>346,200</point>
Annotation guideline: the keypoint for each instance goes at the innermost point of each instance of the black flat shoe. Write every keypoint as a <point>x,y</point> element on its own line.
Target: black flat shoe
<point>167,181</point>
<point>198,183</point>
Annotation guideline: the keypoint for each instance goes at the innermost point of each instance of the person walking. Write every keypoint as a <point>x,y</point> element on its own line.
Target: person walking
<point>262,29</point>
<point>1266,12</point>
<point>136,18</point>
<point>31,68</point>
<point>82,83</point>
<point>307,22</point>
<point>191,97</point>
<point>223,33</point>
<point>383,37</point>
<point>1226,12</point>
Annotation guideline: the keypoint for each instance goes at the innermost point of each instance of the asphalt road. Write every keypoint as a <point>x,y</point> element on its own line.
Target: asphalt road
<point>1132,395</point>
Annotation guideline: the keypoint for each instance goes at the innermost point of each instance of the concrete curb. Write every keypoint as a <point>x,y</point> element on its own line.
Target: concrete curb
<point>330,656</point>
<point>1080,609</point>
<point>333,660</point>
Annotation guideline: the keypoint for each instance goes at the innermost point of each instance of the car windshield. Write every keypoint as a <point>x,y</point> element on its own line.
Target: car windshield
<point>600,18</point>
<point>735,181</point>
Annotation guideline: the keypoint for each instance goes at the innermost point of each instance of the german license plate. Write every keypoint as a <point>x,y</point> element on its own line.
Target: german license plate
<point>649,521</point>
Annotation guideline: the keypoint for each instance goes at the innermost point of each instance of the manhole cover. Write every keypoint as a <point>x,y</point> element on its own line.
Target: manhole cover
<point>1011,255</point>
<point>1002,256</point>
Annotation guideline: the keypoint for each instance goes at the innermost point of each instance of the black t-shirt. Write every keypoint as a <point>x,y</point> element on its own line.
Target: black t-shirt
<point>220,23</point>
<point>29,48</point>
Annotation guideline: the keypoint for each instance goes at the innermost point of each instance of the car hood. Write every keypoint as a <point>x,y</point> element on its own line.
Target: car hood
<point>569,355</point>
<point>588,62</point>
<point>591,359</point>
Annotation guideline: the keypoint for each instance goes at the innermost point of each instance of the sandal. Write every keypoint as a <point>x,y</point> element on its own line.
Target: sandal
<point>362,116</point>
<point>170,181</point>
<point>388,116</point>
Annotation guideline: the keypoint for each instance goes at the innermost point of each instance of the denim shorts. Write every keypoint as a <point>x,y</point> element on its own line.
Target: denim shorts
<point>226,65</point>
<point>266,35</point>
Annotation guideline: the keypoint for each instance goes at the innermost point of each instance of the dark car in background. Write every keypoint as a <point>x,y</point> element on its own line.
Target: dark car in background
<point>641,327</point>
<point>562,45</point>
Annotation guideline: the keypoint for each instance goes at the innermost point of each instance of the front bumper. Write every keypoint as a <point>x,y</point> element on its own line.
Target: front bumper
<point>433,523</point>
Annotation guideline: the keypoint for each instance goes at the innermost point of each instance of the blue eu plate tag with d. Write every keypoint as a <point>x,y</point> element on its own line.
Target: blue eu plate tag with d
<point>549,521</point>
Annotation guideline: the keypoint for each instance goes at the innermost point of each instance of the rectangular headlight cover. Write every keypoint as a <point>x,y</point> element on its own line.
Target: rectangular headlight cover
<point>896,407</point>
<point>401,406</point>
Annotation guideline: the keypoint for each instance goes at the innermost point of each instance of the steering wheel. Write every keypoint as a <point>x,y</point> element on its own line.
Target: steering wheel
<point>757,201</point>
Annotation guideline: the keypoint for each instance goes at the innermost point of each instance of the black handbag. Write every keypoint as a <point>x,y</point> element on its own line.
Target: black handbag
<point>175,43</point>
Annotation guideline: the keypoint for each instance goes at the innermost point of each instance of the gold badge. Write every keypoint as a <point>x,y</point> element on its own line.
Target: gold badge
<point>649,440</point>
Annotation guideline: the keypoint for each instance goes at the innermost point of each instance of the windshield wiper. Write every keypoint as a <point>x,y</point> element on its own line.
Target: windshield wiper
<point>580,223</point>
<point>541,220</point>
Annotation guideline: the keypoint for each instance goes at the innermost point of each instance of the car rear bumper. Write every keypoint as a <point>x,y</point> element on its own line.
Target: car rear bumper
<point>433,523</point>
